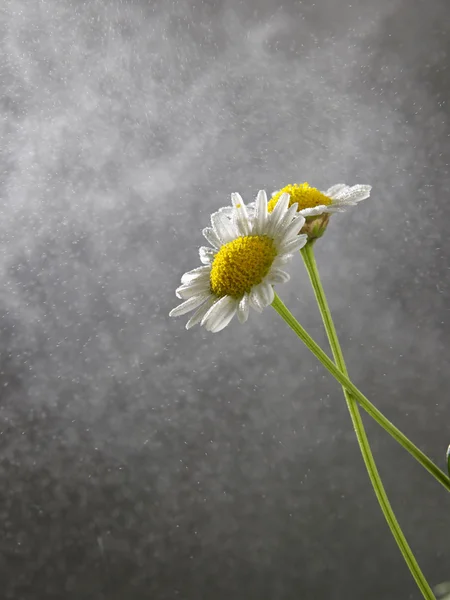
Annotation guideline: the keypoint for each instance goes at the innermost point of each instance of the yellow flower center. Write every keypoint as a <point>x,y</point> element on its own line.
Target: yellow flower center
<point>306,196</point>
<point>241,264</point>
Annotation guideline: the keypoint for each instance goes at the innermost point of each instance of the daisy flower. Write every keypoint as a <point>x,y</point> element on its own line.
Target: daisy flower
<point>317,206</point>
<point>243,262</point>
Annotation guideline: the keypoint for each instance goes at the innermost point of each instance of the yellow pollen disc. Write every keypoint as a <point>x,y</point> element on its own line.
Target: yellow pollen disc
<point>241,264</point>
<point>306,196</point>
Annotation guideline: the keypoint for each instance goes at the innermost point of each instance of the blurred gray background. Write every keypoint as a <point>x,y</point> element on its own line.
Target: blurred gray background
<point>139,460</point>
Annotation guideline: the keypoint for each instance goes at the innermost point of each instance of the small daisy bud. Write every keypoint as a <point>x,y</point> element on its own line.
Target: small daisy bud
<point>315,227</point>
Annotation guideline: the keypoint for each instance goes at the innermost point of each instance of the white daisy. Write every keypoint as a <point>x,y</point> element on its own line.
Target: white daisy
<point>317,206</point>
<point>311,202</point>
<point>243,262</point>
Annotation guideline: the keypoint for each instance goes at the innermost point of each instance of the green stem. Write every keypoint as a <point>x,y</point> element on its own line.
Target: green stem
<point>311,266</point>
<point>359,396</point>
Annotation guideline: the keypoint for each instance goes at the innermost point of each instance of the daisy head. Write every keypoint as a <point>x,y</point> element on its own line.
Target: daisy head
<point>242,263</point>
<point>317,206</point>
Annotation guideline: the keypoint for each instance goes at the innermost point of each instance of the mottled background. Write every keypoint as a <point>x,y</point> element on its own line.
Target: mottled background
<point>142,461</point>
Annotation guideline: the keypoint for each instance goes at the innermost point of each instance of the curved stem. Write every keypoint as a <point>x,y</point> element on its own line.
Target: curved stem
<point>311,266</point>
<point>377,415</point>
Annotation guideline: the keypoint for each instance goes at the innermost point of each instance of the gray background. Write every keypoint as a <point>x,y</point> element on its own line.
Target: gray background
<point>139,460</point>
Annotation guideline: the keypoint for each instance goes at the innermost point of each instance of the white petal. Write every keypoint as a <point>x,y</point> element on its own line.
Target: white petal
<point>236,199</point>
<point>294,244</point>
<point>261,215</point>
<point>251,211</point>
<point>206,255</point>
<point>255,300</point>
<point>198,273</point>
<point>354,194</point>
<point>314,211</point>
<point>281,260</point>
<point>211,237</point>
<point>343,203</point>
<point>279,233</point>
<point>215,308</point>
<point>225,320</point>
<point>194,288</point>
<point>276,276</point>
<point>334,189</point>
<point>200,312</point>
<point>243,309</point>
<point>267,293</point>
<point>227,210</point>
<point>278,213</point>
<point>338,208</point>
<point>223,227</point>
<point>220,312</point>
<point>261,296</point>
<point>290,214</point>
<point>240,215</point>
<point>189,305</point>
<point>360,192</point>
<point>294,228</point>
